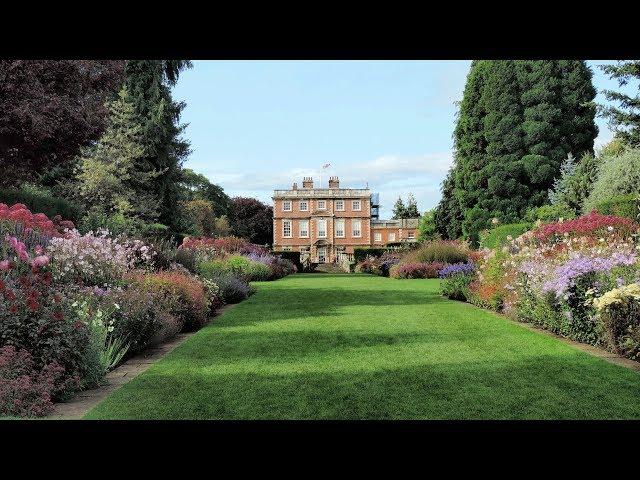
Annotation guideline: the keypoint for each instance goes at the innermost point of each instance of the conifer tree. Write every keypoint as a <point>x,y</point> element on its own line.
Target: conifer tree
<point>447,215</point>
<point>625,119</point>
<point>113,176</point>
<point>148,83</point>
<point>399,209</point>
<point>411,210</point>
<point>516,123</point>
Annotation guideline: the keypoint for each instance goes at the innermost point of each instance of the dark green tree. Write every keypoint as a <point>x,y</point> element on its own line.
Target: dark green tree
<point>625,118</point>
<point>447,215</point>
<point>399,209</point>
<point>196,186</point>
<point>517,122</point>
<point>411,210</point>
<point>149,84</point>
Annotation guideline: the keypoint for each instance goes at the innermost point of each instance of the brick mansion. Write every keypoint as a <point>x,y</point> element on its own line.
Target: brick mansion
<point>326,224</point>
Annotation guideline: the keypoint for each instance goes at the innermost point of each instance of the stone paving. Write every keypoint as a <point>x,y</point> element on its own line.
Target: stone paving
<point>84,401</point>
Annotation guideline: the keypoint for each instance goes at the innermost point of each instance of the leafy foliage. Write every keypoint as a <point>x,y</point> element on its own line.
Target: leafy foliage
<point>498,236</point>
<point>517,121</point>
<point>619,175</point>
<point>49,109</point>
<point>252,220</point>
<point>625,118</point>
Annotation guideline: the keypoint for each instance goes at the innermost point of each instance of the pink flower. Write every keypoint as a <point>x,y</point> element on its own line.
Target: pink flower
<point>40,261</point>
<point>5,265</point>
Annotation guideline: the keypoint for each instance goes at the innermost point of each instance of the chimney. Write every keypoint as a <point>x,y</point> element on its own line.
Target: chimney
<point>334,182</point>
<point>294,186</point>
<point>307,182</point>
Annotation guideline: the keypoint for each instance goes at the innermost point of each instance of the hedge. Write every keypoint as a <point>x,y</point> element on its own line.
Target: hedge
<point>497,236</point>
<point>620,206</point>
<point>42,203</point>
<point>293,256</point>
<point>360,253</point>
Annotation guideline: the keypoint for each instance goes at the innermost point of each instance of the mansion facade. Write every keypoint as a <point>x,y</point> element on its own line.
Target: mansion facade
<point>326,224</point>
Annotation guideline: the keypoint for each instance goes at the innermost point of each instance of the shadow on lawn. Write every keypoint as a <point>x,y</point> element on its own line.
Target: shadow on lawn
<point>226,347</point>
<point>570,385</point>
<point>288,303</point>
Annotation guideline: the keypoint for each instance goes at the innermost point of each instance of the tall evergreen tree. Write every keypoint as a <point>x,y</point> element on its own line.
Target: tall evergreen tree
<point>625,118</point>
<point>399,209</point>
<point>447,215</point>
<point>113,176</point>
<point>516,123</point>
<point>411,210</point>
<point>149,82</point>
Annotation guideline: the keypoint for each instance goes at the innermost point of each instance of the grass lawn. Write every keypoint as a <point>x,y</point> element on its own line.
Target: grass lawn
<point>320,346</point>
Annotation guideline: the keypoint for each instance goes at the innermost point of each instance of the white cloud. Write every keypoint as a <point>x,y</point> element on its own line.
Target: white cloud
<point>389,175</point>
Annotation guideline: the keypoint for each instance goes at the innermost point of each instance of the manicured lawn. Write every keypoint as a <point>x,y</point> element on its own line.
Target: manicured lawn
<point>360,347</point>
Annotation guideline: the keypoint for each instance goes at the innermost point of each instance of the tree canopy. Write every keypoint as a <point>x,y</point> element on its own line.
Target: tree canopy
<point>49,109</point>
<point>517,121</point>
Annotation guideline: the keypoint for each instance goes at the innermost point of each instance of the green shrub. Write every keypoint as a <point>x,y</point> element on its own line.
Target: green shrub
<point>437,251</point>
<point>549,213</point>
<point>235,264</point>
<point>620,206</point>
<point>40,202</point>
<point>618,175</point>
<point>360,253</point>
<point>294,257</point>
<point>456,287</point>
<point>497,236</point>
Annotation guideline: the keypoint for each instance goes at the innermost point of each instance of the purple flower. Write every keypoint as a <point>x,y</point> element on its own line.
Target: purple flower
<point>457,269</point>
<point>563,276</point>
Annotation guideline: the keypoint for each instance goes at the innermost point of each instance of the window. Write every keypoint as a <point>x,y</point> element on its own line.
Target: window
<point>392,237</point>
<point>322,228</point>
<point>340,205</point>
<point>304,205</point>
<point>356,205</point>
<point>286,228</point>
<point>286,206</point>
<point>377,237</point>
<point>339,227</point>
<point>322,204</point>
<point>286,249</point>
<point>411,234</point>
<point>356,228</point>
<point>304,229</point>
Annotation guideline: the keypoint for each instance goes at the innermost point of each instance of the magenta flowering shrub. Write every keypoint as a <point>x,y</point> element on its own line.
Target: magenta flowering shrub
<point>26,391</point>
<point>416,270</point>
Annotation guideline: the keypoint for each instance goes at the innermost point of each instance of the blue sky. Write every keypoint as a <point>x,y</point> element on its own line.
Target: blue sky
<point>259,125</point>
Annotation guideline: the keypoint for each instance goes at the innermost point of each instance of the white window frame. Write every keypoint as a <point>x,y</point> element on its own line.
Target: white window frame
<point>411,234</point>
<point>286,203</point>
<point>324,204</point>
<point>300,230</point>
<point>306,205</point>
<point>392,237</point>
<point>322,221</point>
<point>339,222</point>
<point>339,205</point>
<point>355,222</point>
<point>377,237</point>
<point>284,229</point>
<point>353,205</point>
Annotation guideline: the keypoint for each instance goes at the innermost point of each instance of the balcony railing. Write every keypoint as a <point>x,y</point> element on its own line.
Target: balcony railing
<point>323,192</point>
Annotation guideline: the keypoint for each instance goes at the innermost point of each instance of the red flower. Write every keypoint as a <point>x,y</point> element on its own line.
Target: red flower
<point>32,305</point>
<point>58,315</point>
